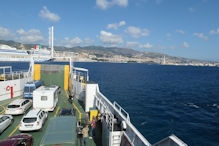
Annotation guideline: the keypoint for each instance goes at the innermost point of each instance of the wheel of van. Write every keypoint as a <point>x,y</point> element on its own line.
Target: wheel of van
<point>40,129</point>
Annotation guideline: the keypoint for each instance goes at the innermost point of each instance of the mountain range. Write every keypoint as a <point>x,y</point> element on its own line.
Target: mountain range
<point>107,52</point>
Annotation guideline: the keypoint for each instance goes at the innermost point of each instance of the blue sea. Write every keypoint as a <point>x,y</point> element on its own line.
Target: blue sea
<point>161,100</point>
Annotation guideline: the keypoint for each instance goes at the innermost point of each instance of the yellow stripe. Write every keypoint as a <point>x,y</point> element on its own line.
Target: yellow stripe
<point>3,109</point>
<point>66,77</point>
<point>6,103</point>
<point>57,111</point>
<point>66,93</point>
<point>74,106</point>
<point>14,130</point>
<point>78,111</point>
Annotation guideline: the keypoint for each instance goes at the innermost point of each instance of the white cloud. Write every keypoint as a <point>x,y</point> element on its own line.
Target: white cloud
<point>72,42</point>
<point>137,32</point>
<point>185,45</point>
<point>104,4</point>
<point>191,9</point>
<point>180,31</point>
<point>31,36</point>
<point>132,44</point>
<point>146,46</point>
<point>116,25</point>
<point>138,45</point>
<point>201,36</point>
<point>5,33</point>
<point>89,41</point>
<point>76,41</point>
<point>214,31</point>
<point>109,38</point>
<point>159,1</point>
<point>168,34</point>
<point>122,3</point>
<point>46,14</point>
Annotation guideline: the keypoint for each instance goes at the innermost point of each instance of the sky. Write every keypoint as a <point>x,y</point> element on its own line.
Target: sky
<point>185,28</point>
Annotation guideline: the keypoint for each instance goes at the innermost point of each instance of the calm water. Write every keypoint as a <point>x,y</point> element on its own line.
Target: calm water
<point>162,100</point>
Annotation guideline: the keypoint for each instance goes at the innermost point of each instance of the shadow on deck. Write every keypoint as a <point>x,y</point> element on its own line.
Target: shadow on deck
<point>97,137</point>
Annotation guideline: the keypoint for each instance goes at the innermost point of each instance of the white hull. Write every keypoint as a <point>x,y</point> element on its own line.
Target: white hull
<point>17,87</point>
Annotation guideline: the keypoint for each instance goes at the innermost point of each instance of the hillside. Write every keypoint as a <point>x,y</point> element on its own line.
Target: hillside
<point>109,52</point>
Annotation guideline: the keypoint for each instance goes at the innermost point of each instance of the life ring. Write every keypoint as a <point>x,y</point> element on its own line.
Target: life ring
<point>8,88</point>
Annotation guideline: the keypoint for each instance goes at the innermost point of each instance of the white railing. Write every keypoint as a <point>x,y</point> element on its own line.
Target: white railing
<point>5,76</point>
<point>111,112</point>
<point>121,111</point>
<point>81,72</point>
<point>106,107</point>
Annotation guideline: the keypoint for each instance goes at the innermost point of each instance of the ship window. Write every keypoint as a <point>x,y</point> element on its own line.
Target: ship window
<point>43,98</point>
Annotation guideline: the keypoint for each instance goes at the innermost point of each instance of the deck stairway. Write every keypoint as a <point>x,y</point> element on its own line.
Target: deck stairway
<point>116,140</point>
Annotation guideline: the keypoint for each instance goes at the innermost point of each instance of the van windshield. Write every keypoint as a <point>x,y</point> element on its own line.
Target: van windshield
<point>13,106</point>
<point>29,120</point>
<point>31,89</point>
<point>26,89</point>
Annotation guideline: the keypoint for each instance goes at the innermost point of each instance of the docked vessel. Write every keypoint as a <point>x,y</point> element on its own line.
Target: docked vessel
<point>113,125</point>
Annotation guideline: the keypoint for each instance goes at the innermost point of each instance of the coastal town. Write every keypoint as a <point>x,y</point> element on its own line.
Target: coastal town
<point>86,57</point>
<point>95,55</point>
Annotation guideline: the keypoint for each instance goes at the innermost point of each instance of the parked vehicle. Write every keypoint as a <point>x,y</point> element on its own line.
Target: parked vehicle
<point>5,121</point>
<point>46,97</point>
<point>18,106</point>
<point>18,140</point>
<point>29,87</point>
<point>33,120</point>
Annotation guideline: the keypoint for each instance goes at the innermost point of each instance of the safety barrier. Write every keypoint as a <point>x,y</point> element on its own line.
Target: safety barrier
<point>106,107</point>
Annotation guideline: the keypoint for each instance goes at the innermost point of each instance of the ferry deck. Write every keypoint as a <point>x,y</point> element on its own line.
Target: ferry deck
<point>37,135</point>
<point>62,103</point>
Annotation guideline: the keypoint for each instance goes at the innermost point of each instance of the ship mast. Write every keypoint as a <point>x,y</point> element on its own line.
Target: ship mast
<point>164,59</point>
<point>51,39</point>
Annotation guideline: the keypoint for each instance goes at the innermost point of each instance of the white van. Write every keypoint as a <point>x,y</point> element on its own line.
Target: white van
<point>46,97</point>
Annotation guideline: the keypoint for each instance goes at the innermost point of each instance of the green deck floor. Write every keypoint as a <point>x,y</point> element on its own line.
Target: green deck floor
<point>37,135</point>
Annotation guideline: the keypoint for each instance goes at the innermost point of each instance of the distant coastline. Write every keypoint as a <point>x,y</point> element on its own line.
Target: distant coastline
<point>22,52</point>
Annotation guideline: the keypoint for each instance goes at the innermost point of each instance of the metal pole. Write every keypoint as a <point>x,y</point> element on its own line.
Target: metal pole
<point>4,73</point>
<point>32,66</point>
<point>52,49</point>
<point>70,65</point>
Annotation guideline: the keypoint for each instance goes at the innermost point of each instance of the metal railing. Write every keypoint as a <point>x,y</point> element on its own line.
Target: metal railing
<point>106,107</point>
<point>121,111</point>
<point>5,76</point>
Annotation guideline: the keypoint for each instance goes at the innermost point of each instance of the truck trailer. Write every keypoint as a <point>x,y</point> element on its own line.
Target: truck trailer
<point>46,97</point>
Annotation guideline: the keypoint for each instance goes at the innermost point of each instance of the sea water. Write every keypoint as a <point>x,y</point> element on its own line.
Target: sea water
<point>161,100</point>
